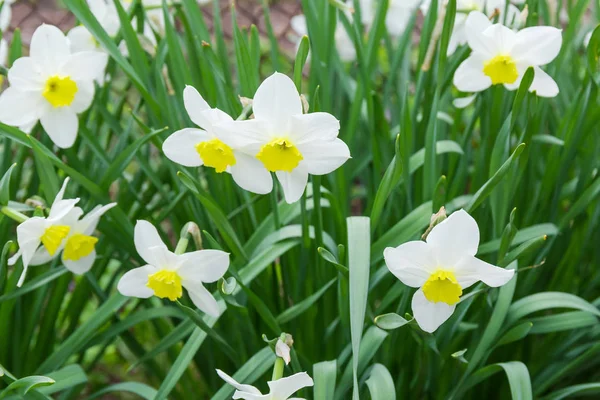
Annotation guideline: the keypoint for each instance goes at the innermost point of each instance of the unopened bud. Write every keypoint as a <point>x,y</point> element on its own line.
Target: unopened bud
<point>435,220</point>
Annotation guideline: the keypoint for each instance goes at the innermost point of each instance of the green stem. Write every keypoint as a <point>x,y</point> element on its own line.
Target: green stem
<point>189,229</point>
<point>278,369</point>
<point>274,203</point>
<point>14,214</point>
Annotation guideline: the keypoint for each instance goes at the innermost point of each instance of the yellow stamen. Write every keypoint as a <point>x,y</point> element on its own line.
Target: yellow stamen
<point>60,90</point>
<point>501,69</point>
<point>79,246</point>
<point>280,155</point>
<point>216,154</point>
<point>442,286</point>
<point>166,284</point>
<point>53,237</point>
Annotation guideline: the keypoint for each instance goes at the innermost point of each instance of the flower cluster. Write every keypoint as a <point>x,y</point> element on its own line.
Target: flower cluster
<point>64,231</point>
<point>280,139</point>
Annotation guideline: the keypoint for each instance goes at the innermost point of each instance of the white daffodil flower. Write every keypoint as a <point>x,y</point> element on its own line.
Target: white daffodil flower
<point>398,14</point>
<point>285,140</point>
<point>5,14</point>
<point>167,273</point>
<point>343,42</point>
<point>50,232</point>
<point>194,147</point>
<point>501,56</point>
<point>508,14</point>
<point>51,85</point>
<point>282,350</point>
<point>442,267</point>
<point>281,389</point>
<point>80,39</point>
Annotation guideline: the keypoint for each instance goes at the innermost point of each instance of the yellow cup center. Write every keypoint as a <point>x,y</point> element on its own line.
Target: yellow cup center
<point>166,284</point>
<point>501,69</point>
<point>60,90</point>
<point>79,246</point>
<point>442,287</point>
<point>53,237</point>
<point>280,155</point>
<point>216,154</point>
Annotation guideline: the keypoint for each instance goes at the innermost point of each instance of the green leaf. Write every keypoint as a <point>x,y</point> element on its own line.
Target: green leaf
<point>46,172</point>
<point>330,258</point>
<point>563,322</point>
<point>546,301</point>
<point>5,186</point>
<point>141,389</point>
<point>35,283</point>
<point>390,321</point>
<point>358,266</point>
<point>65,378</point>
<point>24,385</point>
<point>299,308</point>
<point>299,62</point>
<point>392,176</point>
<point>381,384</point>
<point>516,333</point>
<point>517,374</point>
<point>324,375</point>
<point>583,389</point>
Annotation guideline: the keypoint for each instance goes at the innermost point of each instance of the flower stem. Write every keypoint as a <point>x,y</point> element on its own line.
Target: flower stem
<point>274,203</point>
<point>278,369</point>
<point>14,214</point>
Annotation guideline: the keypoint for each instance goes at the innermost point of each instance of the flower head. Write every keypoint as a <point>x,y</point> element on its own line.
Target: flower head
<point>51,85</point>
<point>282,350</point>
<point>343,42</point>
<point>194,147</point>
<point>442,267</point>
<point>501,56</point>
<point>398,14</point>
<point>281,389</point>
<point>166,273</point>
<point>38,236</point>
<point>286,141</point>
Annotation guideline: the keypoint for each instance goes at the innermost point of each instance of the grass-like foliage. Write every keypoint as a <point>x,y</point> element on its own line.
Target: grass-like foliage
<point>502,299</point>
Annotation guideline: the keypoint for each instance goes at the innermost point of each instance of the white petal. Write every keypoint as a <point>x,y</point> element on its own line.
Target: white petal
<point>235,384</point>
<point>25,74</point>
<point>430,315</point>
<point>81,266</point>
<point>145,238</point>
<point>204,265</point>
<point>470,270</point>
<point>29,235</point>
<point>61,124</point>
<point>85,65</point>
<point>502,39</point>
<point>180,146</point>
<point>469,76</point>
<point>298,23</point>
<point>463,102</point>
<point>194,105</point>
<point>88,224</point>
<point>49,47</point>
<point>285,387</point>
<point>475,25</point>
<point>80,39</point>
<point>282,350</point>
<point>61,193</point>
<point>248,136</point>
<point>454,238</point>
<point>202,298</point>
<point>411,262</point>
<point>293,183</point>
<point>277,100</point>
<point>41,256</point>
<point>19,107</point>
<point>323,157</point>
<point>134,282</point>
<point>314,126</point>
<point>250,174</point>
<point>543,85</point>
<point>5,16</point>
<point>212,117</point>
<point>84,96</point>
<point>537,45</point>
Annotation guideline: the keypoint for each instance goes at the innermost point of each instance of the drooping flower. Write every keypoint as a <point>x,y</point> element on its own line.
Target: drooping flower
<point>194,147</point>
<point>51,85</point>
<point>442,267</point>
<point>398,15</point>
<point>501,56</point>
<point>508,14</point>
<point>166,273</point>
<point>285,140</point>
<point>281,389</point>
<point>282,350</point>
<point>49,232</point>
